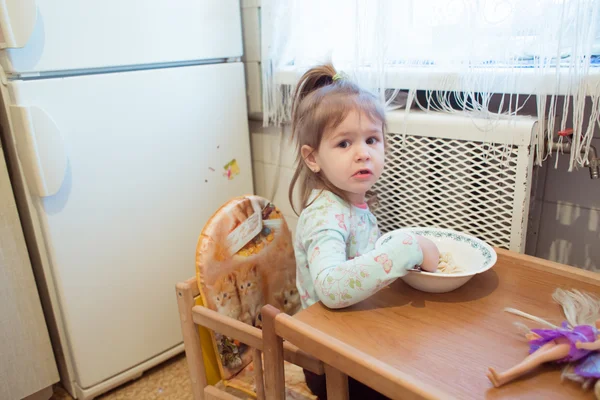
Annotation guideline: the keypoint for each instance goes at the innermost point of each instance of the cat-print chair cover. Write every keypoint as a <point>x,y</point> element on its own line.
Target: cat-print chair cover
<point>244,260</point>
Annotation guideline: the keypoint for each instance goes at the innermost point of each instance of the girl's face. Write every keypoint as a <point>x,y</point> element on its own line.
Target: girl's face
<point>351,156</point>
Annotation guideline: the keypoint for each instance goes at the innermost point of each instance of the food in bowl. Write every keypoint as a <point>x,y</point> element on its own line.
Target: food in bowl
<point>447,265</point>
<point>472,255</point>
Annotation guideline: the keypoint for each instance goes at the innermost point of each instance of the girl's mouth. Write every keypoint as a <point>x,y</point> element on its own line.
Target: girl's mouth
<point>363,174</point>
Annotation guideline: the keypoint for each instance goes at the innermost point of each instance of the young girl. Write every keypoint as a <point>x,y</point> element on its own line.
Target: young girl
<point>339,130</point>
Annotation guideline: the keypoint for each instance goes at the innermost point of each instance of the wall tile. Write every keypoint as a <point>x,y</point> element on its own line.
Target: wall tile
<point>575,188</point>
<point>533,228</point>
<point>270,142</point>
<point>251,33</point>
<point>570,235</point>
<point>253,87</point>
<point>256,141</point>
<point>260,181</point>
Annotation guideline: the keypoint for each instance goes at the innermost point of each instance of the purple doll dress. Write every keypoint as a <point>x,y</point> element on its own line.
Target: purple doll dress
<point>589,367</point>
<point>588,361</point>
<point>580,333</point>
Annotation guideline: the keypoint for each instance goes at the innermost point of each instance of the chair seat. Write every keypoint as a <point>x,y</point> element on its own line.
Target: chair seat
<point>295,383</point>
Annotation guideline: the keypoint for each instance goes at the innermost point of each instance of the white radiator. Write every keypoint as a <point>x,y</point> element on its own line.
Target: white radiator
<point>456,172</point>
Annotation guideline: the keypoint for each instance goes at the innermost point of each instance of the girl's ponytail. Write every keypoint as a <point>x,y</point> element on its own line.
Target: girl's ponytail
<point>312,80</point>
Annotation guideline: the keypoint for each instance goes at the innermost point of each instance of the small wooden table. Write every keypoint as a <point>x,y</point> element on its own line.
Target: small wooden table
<point>449,340</point>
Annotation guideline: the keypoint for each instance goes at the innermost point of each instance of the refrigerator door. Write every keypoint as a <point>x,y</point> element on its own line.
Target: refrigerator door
<point>60,35</point>
<point>125,169</point>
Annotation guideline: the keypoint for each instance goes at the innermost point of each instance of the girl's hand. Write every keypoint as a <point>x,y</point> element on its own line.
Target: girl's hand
<point>431,254</point>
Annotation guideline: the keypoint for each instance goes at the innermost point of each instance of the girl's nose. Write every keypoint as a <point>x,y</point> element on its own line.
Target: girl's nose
<point>362,153</point>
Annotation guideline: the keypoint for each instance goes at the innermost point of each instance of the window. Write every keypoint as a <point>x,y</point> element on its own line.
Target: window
<point>543,48</point>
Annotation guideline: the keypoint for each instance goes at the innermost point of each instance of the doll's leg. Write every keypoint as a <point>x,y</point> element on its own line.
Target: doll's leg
<point>541,350</point>
<point>546,353</point>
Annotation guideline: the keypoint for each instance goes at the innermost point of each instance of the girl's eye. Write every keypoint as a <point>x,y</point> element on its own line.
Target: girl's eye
<point>372,140</point>
<point>345,144</point>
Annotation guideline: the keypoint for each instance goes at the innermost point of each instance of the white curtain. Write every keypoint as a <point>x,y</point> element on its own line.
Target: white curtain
<point>458,51</point>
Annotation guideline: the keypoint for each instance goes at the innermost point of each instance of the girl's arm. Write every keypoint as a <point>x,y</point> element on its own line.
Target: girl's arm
<point>340,282</point>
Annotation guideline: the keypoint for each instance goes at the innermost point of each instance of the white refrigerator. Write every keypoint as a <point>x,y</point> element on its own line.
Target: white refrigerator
<point>125,125</point>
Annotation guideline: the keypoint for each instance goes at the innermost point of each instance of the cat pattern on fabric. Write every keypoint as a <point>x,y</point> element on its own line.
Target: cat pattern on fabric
<point>249,286</point>
<point>289,297</point>
<point>337,243</point>
<point>225,297</point>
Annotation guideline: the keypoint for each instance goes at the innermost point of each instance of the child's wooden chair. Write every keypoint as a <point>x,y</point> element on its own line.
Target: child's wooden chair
<point>194,316</point>
<point>340,361</point>
<point>244,260</point>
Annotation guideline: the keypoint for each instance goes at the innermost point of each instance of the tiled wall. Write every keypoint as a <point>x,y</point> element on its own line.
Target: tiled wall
<point>252,55</point>
<point>566,216</point>
<point>265,148</point>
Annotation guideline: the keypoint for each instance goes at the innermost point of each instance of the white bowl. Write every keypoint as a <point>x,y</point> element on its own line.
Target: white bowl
<point>471,254</point>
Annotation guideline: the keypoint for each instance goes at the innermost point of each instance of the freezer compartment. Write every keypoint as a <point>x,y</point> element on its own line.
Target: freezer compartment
<point>63,35</point>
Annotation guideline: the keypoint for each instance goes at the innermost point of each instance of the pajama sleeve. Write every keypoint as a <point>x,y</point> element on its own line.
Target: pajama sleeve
<point>340,282</point>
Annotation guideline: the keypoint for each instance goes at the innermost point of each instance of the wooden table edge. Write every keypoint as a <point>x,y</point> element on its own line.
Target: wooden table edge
<point>552,267</point>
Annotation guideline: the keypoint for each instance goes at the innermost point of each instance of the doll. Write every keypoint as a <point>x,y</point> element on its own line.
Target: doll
<point>576,343</point>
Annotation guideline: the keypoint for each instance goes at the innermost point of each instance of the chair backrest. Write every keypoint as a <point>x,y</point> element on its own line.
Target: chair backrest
<point>244,260</point>
<point>340,359</point>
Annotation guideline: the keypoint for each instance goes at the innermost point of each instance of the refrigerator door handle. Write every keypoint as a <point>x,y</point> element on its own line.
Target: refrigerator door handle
<point>40,148</point>
<point>17,21</point>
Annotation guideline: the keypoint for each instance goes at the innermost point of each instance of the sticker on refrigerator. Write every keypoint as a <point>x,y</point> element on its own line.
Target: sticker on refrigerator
<point>231,169</point>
